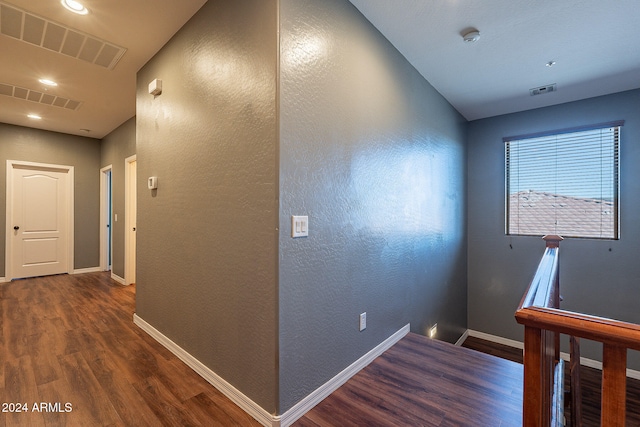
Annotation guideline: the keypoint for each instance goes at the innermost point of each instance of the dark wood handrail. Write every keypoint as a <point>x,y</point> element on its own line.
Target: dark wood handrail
<point>582,325</point>
<point>539,311</point>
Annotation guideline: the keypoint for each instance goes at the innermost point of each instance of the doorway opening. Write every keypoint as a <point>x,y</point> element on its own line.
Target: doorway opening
<point>106,211</point>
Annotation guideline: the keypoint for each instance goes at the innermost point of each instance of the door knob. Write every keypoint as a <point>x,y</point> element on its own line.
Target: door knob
<point>15,227</point>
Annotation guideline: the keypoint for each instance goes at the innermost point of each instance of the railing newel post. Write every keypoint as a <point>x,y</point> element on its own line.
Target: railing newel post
<point>552,240</point>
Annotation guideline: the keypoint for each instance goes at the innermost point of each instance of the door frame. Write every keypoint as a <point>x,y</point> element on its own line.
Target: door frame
<point>9,211</point>
<point>106,233</point>
<point>129,198</point>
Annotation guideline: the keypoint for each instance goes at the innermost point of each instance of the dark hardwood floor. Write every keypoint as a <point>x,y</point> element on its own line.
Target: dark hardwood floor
<point>69,350</point>
<point>591,380</point>
<point>424,382</point>
<point>69,342</point>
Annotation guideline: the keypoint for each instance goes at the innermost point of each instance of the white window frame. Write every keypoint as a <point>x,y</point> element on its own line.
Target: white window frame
<point>538,160</point>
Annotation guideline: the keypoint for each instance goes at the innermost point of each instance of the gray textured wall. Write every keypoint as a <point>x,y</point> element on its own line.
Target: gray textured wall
<point>377,159</point>
<point>207,239</point>
<point>115,148</point>
<point>33,145</point>
<point>597,276</point>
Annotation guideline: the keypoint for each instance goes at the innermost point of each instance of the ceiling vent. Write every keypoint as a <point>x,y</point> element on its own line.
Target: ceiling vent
<point>543,89</point>
<point>39,97</point>
<point>38,31</point>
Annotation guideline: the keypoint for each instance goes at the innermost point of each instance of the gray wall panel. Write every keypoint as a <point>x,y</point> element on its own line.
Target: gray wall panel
<point>376,158</point>
<point>207,240</point>
<point>33,145</point>
<point>597,276</point>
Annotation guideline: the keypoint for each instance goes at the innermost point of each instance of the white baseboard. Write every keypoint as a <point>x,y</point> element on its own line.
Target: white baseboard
<point>463,337</point>
<point>3,280</point>
<point>306,404</point>
<point>236,396</point>
<point>86,270</point>
<point>252,408</point>
<point>117,278</point>
<point>631,373</point>
<point>496,339</point>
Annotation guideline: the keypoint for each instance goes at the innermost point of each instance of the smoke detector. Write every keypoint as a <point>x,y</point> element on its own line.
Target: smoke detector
<point>472,36</point>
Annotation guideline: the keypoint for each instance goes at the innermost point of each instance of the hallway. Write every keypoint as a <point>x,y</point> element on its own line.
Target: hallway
<point>69,342</point>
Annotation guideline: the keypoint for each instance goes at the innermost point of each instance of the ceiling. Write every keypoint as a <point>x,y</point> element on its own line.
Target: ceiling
<point>96,59</point>
<point>590,41</point>
<point>104,94</point>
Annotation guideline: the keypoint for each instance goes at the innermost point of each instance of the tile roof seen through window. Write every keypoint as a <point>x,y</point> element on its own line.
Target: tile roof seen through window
<point>539,213</point>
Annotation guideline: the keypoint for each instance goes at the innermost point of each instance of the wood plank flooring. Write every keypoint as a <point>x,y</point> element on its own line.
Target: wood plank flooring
<point>424,382</point>
<point>71,340</point>
<point>591,380</point>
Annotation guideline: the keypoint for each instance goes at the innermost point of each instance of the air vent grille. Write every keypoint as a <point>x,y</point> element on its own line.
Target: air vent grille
<point>33,29</point>
<point>39,97</point>
<point>543,89</point>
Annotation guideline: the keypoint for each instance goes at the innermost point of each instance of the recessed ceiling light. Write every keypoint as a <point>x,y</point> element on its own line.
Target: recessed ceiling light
<point>48,82</point>
<point>34,116</point>
<point>75,6</point>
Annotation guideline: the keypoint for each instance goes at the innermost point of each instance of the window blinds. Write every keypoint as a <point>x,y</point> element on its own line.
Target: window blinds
<point>564,183</point>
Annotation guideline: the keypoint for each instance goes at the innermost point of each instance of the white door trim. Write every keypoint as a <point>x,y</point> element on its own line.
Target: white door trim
<point>129,223</point>
<point>105,232</point>
<point>9,211</point>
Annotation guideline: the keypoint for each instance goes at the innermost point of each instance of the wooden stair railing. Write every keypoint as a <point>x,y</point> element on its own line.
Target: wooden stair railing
<point>544,321</point>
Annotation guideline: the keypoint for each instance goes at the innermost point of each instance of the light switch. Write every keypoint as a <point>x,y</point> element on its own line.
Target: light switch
<point>299,226</point>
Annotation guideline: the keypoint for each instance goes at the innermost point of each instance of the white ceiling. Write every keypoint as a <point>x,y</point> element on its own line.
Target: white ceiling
<point>107,96</point>
<point>590,40</point>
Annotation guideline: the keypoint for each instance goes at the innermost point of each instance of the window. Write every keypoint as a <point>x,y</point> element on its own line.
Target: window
<point>564,182</point>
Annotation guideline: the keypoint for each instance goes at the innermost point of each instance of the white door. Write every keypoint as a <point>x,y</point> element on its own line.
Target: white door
<point>130,220</point>
<point>38,219</point>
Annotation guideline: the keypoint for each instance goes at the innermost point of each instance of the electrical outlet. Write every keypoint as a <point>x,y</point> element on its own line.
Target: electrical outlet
<point>363,321</point>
